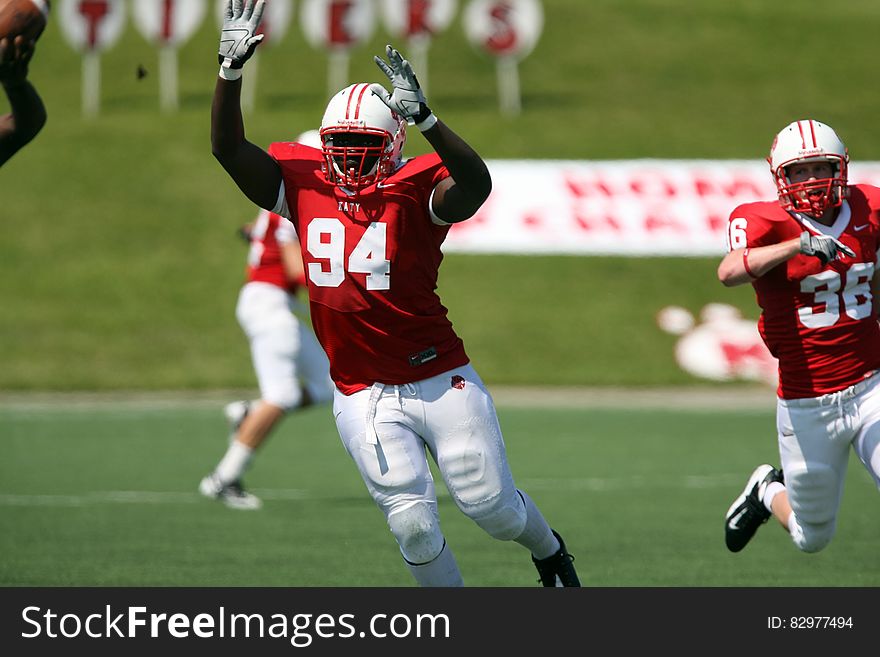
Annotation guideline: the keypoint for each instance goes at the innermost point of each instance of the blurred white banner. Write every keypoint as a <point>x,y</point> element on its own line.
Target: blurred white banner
<point>631,207</point>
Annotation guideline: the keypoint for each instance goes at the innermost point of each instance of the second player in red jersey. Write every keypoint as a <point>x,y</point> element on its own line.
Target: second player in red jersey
<point>292,369</point>
<point>817,317</point>
<point>812,258</point>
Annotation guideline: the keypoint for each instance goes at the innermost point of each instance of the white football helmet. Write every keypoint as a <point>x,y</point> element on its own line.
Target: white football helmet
<point>809,141</point>
<point>361,137</point>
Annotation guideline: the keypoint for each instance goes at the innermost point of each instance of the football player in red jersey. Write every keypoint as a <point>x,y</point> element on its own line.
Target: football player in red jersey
<point>28,115</point>
<point>812,260</point>
<point>292,369</point>
<point>371,225</point>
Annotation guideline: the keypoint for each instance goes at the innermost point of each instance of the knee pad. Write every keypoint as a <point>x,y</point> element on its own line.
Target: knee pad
<point>502,520</point>
<point>417,530</point>
<point>818,494</point>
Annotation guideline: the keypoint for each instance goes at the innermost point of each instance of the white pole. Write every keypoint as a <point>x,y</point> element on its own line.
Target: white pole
<point>249,83</point>
<point>508,86</point>
<point>337,71</point>
<point>91,83</point>
<point>168,78</point>
<point>418,57</point>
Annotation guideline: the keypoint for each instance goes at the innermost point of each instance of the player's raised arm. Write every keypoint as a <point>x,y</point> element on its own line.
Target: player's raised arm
<point>745,265</point>
<point>28,114</point>
<point>458,197</point>
<point>255,172</point>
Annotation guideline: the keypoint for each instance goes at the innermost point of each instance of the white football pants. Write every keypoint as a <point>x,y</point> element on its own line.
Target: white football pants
<point>286,355</point>
<point>814,439</point>
<point>387,428</point>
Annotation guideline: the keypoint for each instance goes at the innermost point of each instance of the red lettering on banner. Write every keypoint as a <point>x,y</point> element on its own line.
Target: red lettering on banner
<point>93,11</point>
<point>716,223</point>
<point>533,221</point>
<point>651,185</point>
<point>584,187</point>
<point>640,185</point>
<point>601,223</point>
<point>339,34</point>
<point>735,188</point>
<point>503,37</point>
<point>705,187</point>
<point>417,17</point>
<point>659,221</point>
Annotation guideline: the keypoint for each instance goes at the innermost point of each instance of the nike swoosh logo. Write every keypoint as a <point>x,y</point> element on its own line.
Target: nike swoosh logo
<point>734,521</point>
<point>858,228</point>
<point>384,185</point>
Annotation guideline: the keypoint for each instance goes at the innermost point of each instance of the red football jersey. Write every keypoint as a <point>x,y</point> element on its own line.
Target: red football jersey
<point>818,321</point>
<point>371,265</point>
<point>264,263</point>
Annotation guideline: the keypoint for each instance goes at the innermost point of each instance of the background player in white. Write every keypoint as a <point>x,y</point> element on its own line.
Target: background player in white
<point>371,226</point>
<point>28,115</point>
<point>291,368</point>
<point>812,259</point>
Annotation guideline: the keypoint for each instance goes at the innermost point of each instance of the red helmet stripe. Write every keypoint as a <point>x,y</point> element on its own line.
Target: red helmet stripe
<point>800,125</point>
<point>348,106</point>
<point>812,134</point>
<point>352,113</point>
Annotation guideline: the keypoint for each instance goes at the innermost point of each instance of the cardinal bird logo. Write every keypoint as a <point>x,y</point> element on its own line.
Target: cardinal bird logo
<point>458,382</point>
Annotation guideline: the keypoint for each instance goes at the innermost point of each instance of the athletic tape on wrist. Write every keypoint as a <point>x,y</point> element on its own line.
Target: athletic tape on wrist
<point>428,123</point>
<point>230,73</point>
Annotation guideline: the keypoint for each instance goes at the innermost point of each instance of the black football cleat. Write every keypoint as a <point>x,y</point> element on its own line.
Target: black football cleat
<point>558,568</point>
<point>748,512</point>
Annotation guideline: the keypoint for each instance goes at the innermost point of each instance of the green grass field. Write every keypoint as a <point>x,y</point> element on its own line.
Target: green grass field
<point>105,495</point>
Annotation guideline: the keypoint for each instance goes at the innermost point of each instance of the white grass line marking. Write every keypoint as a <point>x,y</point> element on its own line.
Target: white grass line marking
<point>603,484</point>
<point>696,398</point>
<point>133,497</point>
<point>591,484</point>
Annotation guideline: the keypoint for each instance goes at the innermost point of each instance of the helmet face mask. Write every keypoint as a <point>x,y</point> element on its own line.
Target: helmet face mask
<point>352,158</point>
<point>362,139</point>
<point>803,143</point>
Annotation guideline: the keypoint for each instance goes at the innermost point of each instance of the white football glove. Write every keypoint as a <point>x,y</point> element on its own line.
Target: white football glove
<point>824,247</point>
<point>407,98</point>
<point>237,37</point>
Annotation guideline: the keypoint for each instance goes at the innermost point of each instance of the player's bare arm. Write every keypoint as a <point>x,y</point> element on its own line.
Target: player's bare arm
<point>460,195</point>
<point>255,172</point>
<point>28,115</point>
<point>733,268</point>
